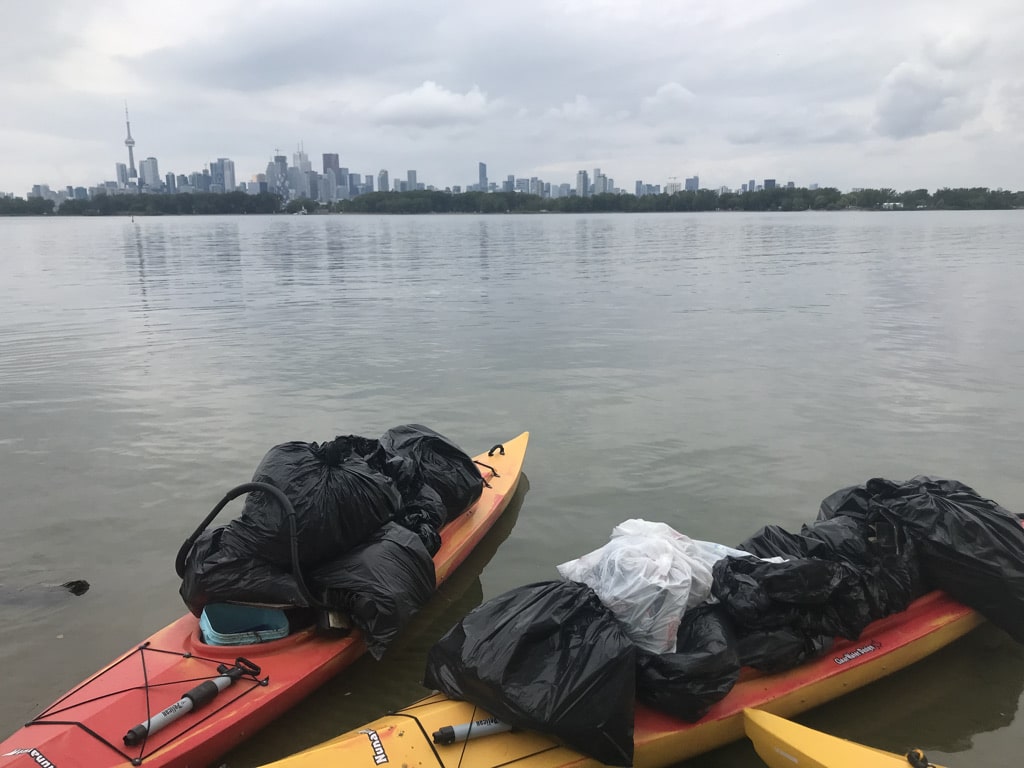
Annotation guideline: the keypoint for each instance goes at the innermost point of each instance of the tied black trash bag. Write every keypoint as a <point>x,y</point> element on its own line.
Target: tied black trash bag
<point>547,657</point>
<point>380,584</point>
<point>703,669</point>
<point>339,501</point>
<point>817,597</point>
<point>842,539</point>
<point>221,569</point>
<point>418,456</point>
<point>968,546</point>
<point>886,559</point>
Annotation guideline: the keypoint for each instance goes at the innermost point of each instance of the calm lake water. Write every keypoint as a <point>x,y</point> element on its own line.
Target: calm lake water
<point>718,372</point>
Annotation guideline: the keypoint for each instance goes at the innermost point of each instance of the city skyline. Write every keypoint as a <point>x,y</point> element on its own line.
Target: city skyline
<point>905,95</point>
<point>299,180</point>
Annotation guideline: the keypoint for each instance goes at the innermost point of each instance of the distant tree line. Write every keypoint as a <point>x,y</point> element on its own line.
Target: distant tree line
<point>427,201</point>
<point>184,204</point>
<point>779,199</point>
<point>17,206</point>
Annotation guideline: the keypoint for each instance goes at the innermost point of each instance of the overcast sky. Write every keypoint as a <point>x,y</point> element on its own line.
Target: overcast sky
<point>847,93</point>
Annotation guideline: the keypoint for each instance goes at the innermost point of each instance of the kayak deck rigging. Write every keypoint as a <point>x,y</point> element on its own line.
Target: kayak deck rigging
<point>61,706</point>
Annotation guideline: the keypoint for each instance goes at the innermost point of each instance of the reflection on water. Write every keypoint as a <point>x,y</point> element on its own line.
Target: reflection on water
<point>715,371</point>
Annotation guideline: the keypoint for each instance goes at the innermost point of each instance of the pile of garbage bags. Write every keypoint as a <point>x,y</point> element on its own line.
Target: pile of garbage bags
<point>640,618</point>
<point>368,515</point>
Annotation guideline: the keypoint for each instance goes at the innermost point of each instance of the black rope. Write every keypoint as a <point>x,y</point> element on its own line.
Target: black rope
<point>183,553</point>
<point>56,709</point>
<point>469,732</point>
<point>149,710</point>
<point>918,759</point>
<point>494,472</point>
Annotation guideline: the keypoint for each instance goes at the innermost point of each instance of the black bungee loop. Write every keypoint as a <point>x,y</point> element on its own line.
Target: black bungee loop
<point>918,759</point>
<point>286,505</point>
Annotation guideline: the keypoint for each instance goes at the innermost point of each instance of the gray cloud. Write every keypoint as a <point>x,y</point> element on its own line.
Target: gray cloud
<point>955,50</point>
<point>914,101</point>
<point>647,89</point>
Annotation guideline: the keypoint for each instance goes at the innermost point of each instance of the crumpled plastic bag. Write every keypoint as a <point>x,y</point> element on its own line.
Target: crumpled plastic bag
<point>647,575</point>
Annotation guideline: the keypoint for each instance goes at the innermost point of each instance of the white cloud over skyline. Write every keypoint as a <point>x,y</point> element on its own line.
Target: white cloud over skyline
<point>904,95</point>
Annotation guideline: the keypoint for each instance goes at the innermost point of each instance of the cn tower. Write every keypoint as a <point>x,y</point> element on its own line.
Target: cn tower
<point>130,143</point>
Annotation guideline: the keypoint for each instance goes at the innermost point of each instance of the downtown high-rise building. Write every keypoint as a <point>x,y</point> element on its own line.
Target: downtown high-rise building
<point>382,181</point>
<point>410,178</point>
<point>692,183</point>
<point>331,162</point>
<point>301,160</point>
<point>582,184</point>
<point>482,168</point>
<point>222,175</point>
<point>149,174</point>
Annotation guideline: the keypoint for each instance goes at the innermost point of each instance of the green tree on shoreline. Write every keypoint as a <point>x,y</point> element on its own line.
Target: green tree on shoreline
<point>433,201</point>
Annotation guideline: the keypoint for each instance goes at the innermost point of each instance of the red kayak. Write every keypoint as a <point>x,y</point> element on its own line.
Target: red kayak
<point>89,727</point>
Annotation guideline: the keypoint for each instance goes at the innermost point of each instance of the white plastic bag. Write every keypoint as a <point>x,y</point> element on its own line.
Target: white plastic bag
<point>646,575</point>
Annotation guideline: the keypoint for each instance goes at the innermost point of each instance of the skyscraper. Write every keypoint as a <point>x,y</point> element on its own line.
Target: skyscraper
<point>692,183</point>
<point>582,184</point>
<point>229,174</point>
<point>410,177</point>
<point>301,160</point>
<point>331,162</point>
<point>130,143</point>
<point>483,177</point>
<point>150,176</point>
<point>122,174</point>
<point>382,181</point>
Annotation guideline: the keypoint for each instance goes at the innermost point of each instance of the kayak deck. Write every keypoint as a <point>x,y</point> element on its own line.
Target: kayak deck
<point>86,727</point>
<point>892,643</point>
<point>781,743</point>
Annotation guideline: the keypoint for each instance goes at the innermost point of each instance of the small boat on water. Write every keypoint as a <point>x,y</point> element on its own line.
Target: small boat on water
<point>781,743</point>
<point>887,645</point>
<point>230,691</point>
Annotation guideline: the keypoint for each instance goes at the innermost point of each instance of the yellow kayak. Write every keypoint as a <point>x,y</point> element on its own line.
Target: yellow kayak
<point>781,743</point>
<point>406,738</point>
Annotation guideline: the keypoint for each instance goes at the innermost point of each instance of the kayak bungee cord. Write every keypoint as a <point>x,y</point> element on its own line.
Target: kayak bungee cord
<point>289,510</point>
<point>247,669</point>
<point>918,759</point>
<point>494,473</point>
<point>197,697</point>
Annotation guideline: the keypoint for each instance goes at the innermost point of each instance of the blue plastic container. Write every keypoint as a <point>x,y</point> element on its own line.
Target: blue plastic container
<point>230,624</point>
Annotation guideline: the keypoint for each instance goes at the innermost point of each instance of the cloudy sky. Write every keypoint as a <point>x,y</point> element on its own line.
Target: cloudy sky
<point>874,93</point>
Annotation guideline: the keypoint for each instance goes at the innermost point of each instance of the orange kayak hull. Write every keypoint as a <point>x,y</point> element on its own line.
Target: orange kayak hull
<point>85,728</point>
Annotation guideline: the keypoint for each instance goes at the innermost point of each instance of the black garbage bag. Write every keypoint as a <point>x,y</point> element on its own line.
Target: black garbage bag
<point>380,584</point>
<point>703,669</point>
<point>884,556</point>
<point>842,539</point>
<point>416,455</point>
<point>548,657</point>
<point>968,546</point>
<point>339,501</point>
<point>776,650</point>
<point>424,514</point>
<point>221,569</point>
<point>817,597</point>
